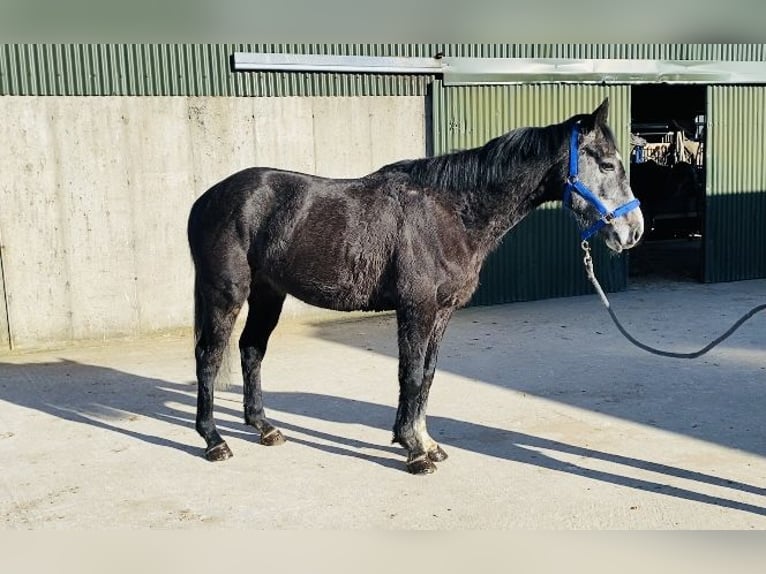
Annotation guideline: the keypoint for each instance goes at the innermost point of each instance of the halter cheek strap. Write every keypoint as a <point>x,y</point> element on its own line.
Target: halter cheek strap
<point>573,184</point>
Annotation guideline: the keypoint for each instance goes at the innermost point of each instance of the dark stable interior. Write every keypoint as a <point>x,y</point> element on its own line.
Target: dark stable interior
<point>667,173</point>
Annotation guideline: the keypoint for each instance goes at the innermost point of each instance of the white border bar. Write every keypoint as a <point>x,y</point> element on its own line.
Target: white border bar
<point>484,71</point>
<point>348,64</point>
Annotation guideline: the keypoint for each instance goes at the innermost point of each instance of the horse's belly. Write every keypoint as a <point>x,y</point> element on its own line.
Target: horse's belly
<point>338,285</point>
<point>337,257</point>
<point>340,297</point>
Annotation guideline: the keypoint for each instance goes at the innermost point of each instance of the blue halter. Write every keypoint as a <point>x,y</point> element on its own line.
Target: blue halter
<point>574,184</point>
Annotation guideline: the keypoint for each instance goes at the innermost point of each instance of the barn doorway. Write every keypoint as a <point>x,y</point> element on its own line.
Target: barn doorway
<point>667,173</point>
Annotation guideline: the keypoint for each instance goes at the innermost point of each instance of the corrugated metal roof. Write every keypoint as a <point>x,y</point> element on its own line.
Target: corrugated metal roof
<point>177,70</point>
<point>204,69</point>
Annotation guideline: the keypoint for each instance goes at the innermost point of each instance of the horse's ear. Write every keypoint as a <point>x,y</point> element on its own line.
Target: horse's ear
<point>598,118</point>
<point>601,113</point>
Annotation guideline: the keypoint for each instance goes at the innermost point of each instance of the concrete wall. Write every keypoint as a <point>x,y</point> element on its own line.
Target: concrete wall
<point>95,192</point>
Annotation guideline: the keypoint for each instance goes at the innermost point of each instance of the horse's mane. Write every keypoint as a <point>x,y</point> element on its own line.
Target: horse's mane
<point>486,166</point>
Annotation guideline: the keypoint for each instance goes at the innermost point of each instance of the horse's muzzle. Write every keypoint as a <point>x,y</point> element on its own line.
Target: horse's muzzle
<point>625,232</point>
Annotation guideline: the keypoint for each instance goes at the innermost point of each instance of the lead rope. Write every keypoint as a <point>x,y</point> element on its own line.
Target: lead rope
<point>588,261</point>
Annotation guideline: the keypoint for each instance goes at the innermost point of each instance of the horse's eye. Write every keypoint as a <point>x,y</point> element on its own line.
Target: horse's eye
<point>606,166</point>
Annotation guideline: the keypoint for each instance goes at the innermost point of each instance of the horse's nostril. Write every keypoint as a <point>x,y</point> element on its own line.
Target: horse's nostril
<point>636,235</point>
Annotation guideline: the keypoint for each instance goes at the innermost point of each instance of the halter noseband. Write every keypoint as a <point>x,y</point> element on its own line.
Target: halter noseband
<point>574,184</point>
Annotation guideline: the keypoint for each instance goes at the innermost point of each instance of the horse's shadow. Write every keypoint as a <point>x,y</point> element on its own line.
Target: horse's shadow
<point>109,399</point>
<point>101,397</point>
<point>577,365</point>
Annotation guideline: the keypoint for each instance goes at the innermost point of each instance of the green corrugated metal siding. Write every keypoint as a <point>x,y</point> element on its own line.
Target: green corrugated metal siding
<point>735,234</point>
<point>181,70</point>
<point>204,69</point>
<point>540,257</point>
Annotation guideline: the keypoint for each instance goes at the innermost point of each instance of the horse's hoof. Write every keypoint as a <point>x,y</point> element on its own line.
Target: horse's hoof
<point>437,455</point>
<point>421,465</point>
<point>273,437</point>
<point>219,452</point>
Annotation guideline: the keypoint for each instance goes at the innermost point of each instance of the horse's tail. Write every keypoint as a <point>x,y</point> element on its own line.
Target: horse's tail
<point>199,311</point>
<point>199,300</point>
<point>202,311</point>
<point>224,378</point>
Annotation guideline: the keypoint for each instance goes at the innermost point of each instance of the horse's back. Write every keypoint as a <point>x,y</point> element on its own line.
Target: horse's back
<point>326,241</point>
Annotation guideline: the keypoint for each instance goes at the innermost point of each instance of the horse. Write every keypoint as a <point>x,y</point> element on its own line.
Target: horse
<point>410,237</point>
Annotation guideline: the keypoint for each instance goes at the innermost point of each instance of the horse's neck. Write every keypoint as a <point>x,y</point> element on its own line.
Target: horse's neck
<point>489,214</point>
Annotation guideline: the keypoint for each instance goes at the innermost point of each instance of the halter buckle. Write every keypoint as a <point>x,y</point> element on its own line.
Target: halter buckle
<point>587,258</point>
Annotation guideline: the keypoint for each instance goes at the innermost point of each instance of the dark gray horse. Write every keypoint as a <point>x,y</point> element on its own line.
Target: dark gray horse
<point>410,237</point>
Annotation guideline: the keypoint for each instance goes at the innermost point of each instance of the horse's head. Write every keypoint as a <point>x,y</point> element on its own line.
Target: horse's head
<point>597,189</point>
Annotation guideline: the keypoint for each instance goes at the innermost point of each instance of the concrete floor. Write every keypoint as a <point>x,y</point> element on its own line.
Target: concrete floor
<point>550,418</point>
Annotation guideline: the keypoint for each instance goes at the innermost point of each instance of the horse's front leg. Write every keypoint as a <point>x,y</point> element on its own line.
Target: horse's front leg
<point>420,330</point>
<point>435,452</point>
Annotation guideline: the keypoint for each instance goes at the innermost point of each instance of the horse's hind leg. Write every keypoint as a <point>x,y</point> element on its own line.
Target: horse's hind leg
<point>216,309</point>
<point>265,306</point>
